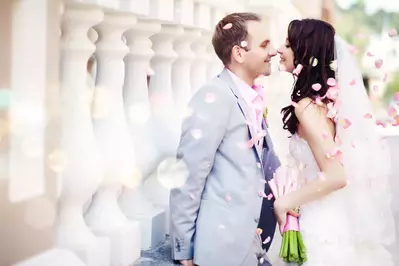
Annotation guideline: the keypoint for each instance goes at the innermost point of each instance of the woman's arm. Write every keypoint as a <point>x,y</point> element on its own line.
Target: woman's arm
<point>317,131</point>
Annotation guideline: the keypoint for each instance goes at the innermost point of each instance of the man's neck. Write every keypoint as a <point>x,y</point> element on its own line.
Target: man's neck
<point>240,73</point>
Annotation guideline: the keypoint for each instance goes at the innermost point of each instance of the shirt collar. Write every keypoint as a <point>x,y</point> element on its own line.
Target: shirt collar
<point>248,93</point>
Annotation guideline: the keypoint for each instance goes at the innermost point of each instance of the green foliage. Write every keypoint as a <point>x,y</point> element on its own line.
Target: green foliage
<point>392,87</point>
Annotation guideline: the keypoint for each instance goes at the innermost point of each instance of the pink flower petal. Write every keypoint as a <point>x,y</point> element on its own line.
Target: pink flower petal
<point>227,26</point>
<point>297,70</point>
<point>369,54</point>
<point>375,88</point>
<point>346,123</point>
<point>378,63</point>
<point>331,82</point>
<point>392,112</point>
<point>352,82</point>
<point>210,97</point>
<point>316,86</point>
<point>396,96</point>
<point>368,116</point>
<point>336,152</point>
<point>332,93</point>
<point>392,33</point>
<point>267,240</point>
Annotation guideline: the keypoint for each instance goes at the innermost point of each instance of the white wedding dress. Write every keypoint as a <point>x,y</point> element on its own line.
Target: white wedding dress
<point>326,224</point>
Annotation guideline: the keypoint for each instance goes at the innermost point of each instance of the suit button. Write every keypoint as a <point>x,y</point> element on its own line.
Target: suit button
<point>256,219</point>
<point>258,165</point>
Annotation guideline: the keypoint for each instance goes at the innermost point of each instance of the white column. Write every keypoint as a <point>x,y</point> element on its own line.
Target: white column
<point>166,128</point>
<point>215,66</point>
<point>199,75</point>
<point>83,172</point>
<point>133,201</point>
<point>110,126</point>
<point>181,69</point>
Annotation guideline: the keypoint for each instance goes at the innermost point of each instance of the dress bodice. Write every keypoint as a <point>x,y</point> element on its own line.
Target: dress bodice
<point>301,152</point>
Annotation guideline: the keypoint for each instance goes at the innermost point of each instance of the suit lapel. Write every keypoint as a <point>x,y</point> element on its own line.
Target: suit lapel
<point>225,76</point>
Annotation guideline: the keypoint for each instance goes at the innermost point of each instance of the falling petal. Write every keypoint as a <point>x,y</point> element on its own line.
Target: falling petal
<point>316,86</point>
<point>353,49</point>
<point>384,78</point>
<point>227,26</point>
<point>396,96</point>
<point>368,116</point>
<point>210,97</point>
<point>392,112</point>
<point>297,70</point>
<point>228,197</point>
<point>267,240</point>
<point>313,61</point>
<point>333,65</point>
<point>369,54</point>
<point>378,63</point>
<point>172,173</point>
<point>196,133</point>
<point>352,82</point>
<point>187,112</point>
<point>331,82</point>
<point>333,153</point>
<point>262,194</point>
<point>345,123</point>
<point>332,93</point>
<point>191,196</point>
<point>392,33</point>
<point>375,88</point>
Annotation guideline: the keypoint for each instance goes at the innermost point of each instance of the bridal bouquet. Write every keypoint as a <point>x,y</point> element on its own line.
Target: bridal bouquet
<point>292,247</point>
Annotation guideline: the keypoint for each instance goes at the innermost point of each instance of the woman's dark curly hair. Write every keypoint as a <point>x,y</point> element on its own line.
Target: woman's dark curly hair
<point>310,40</point>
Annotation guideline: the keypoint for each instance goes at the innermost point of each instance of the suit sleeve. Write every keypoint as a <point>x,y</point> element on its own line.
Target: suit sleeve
<point>202,133</point>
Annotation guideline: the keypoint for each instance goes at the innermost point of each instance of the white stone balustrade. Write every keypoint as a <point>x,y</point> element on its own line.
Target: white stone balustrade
<point>83,170</point>
<point>104,216</point>
<point>134,201</point>
<point>118,138</point>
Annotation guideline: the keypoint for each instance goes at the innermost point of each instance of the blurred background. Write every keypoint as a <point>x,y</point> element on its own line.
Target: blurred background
<point>92,94</point>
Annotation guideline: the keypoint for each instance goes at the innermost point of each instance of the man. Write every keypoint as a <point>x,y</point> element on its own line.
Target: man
<point>225,146</point>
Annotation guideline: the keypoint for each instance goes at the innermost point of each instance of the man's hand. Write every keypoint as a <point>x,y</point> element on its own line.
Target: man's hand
<point>281,212</point>
<point>187,262</point>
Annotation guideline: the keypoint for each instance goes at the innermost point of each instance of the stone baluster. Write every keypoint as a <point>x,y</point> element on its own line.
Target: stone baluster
<point>199,70</point>
<point>134,202</point>
<point>165,124</point>
<point>181,70</point>
<point>215,66</point>
<point>83,173</point>
<point>110,126</point>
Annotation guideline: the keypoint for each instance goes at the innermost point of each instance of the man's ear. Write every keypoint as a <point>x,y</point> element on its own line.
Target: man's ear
<point>237,54</point>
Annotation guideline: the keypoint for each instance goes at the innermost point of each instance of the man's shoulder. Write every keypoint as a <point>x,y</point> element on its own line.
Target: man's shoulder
<point>214,89</point>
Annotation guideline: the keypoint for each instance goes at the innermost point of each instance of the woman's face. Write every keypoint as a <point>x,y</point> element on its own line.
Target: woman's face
<point>286,57</point>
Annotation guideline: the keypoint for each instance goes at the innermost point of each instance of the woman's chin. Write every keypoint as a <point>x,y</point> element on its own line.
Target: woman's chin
<point>283,68</point>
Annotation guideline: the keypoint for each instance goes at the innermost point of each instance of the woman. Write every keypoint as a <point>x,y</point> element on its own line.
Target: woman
<point>345,214</point>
